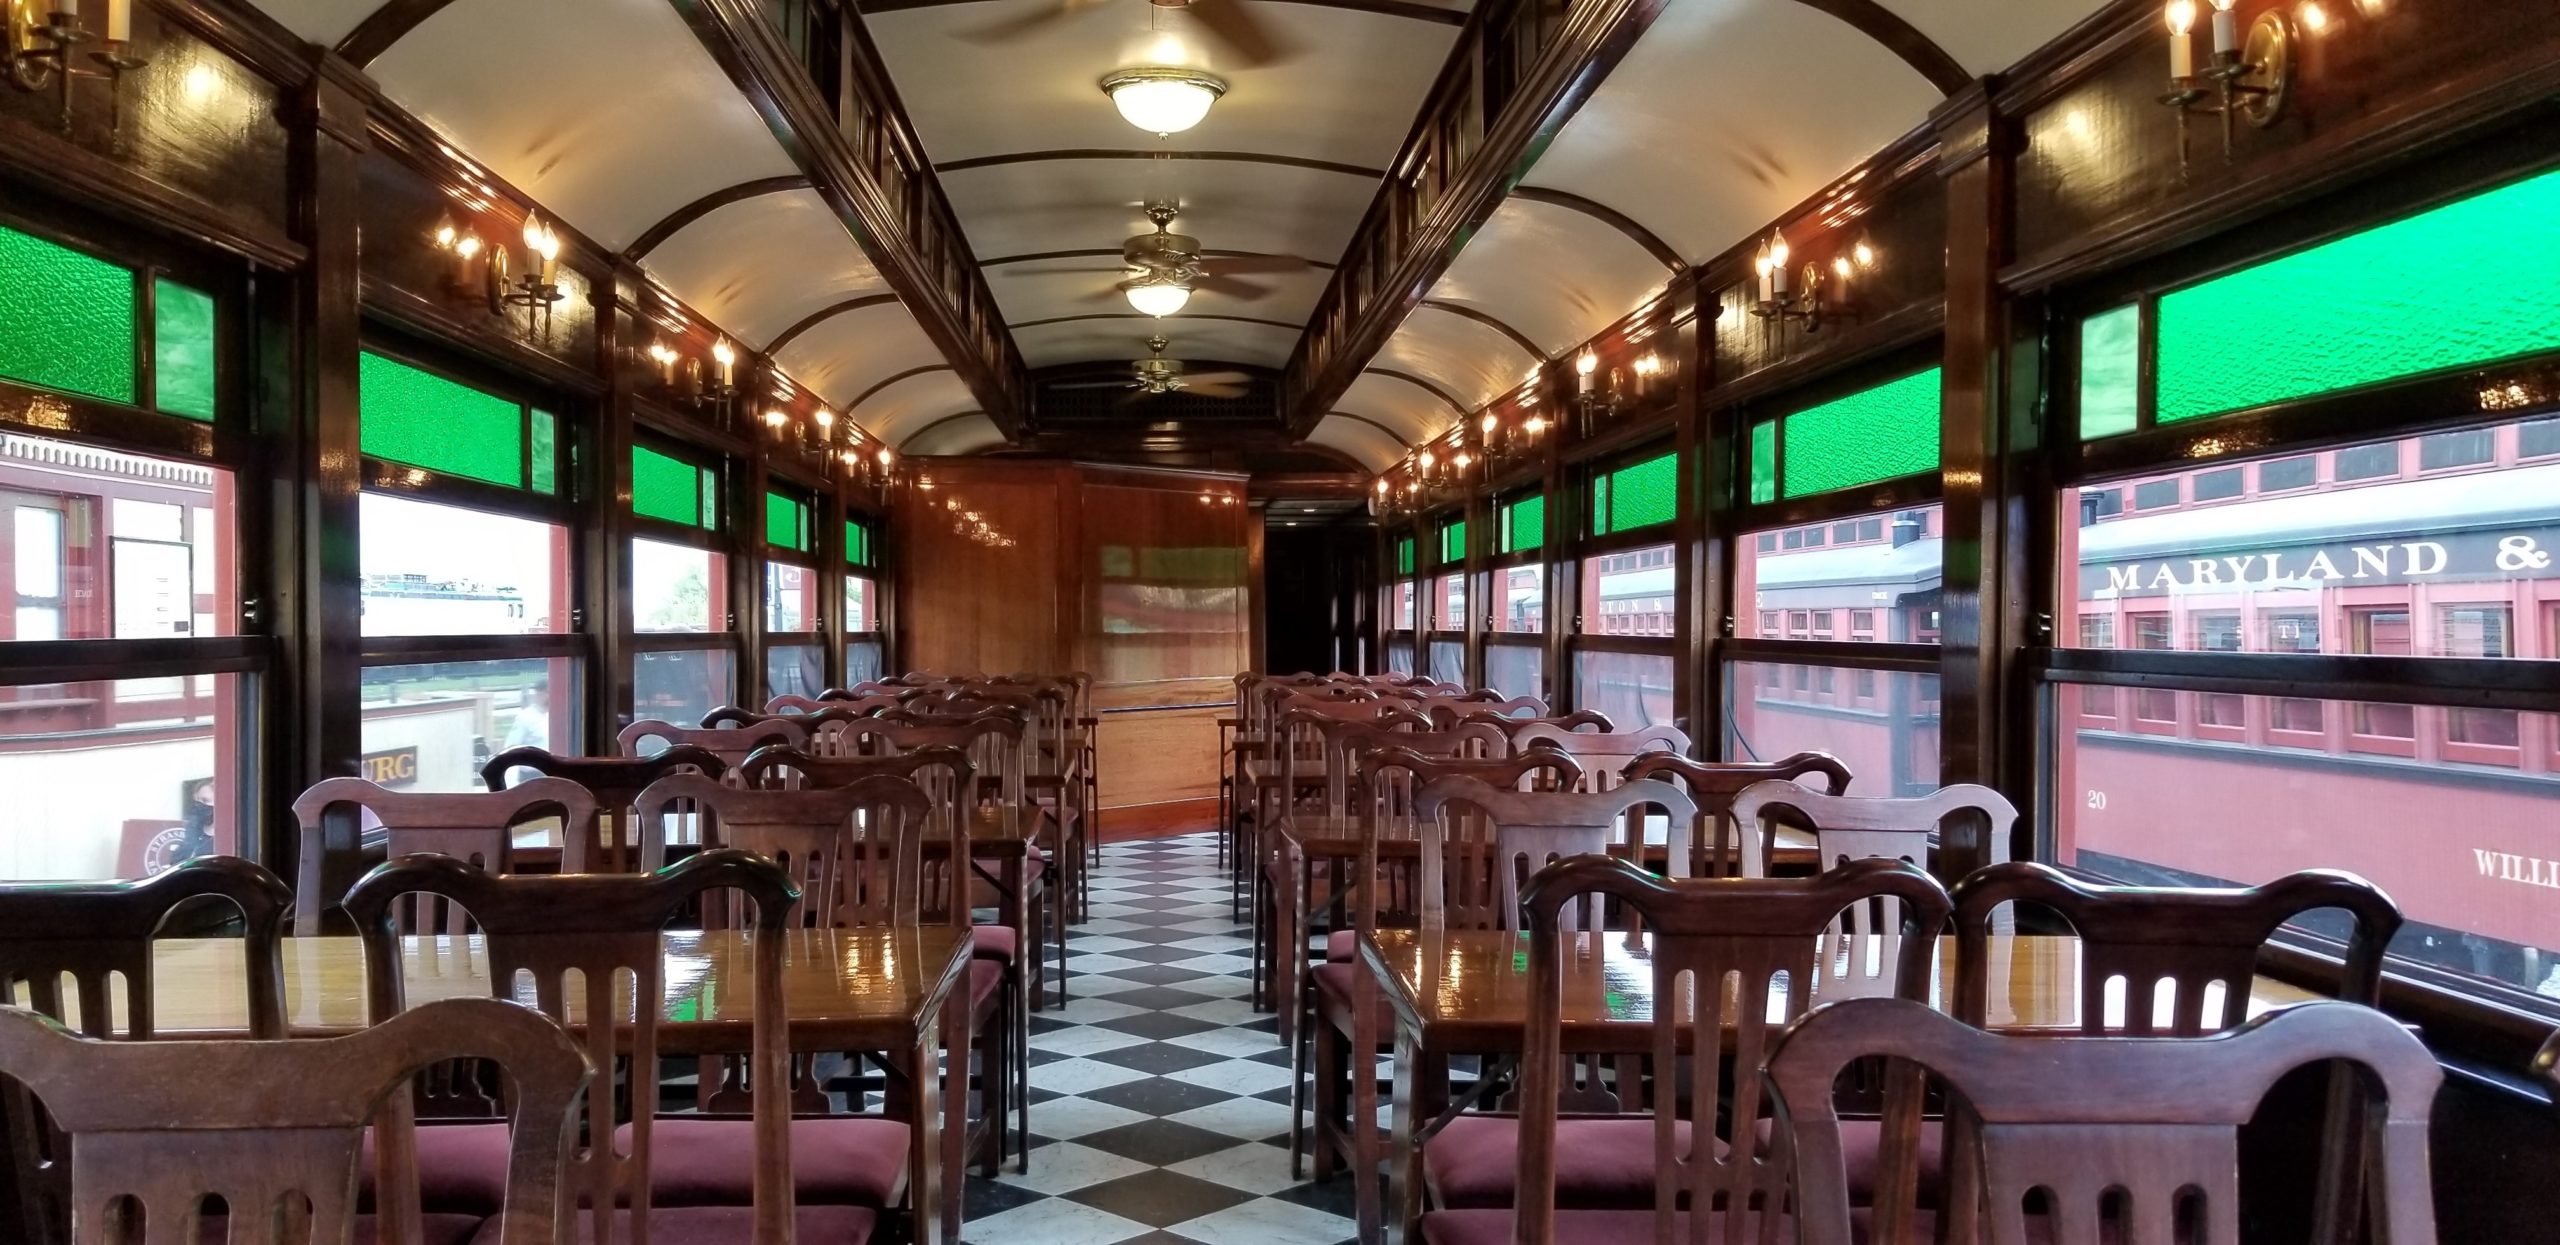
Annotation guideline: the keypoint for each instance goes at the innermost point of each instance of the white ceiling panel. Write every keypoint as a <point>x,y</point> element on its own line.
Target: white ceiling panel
<point>843,355</point>
<point>1409,409</point>
<point>1346,93</point>
<point>1469,358</point>
<point>897,411</point>
<point>1557,275</point>
<point>1055,205</point>
<point>1638,146</point>
<point>518,86</point>
<point>758,265</point>
<point>967,434</point>
<point>1043,289</point>
<point>1046,345</point>
<point>321,21</point>
<point>1985,37</point>
<point>1375,450</point>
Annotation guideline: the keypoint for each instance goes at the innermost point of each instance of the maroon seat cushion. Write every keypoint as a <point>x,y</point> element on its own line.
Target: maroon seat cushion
<point>434,1229</point>
<point>986,978</point>
<point>1625,1227</point>
<point>1333,998</point>
<point>842,1160</point>
<point>994,942</point>
<point>462,1168</point>
<point>1342,946</point>
<point>1600,1163</point>
<point>1862,1159</point>
<point>721,1225</point>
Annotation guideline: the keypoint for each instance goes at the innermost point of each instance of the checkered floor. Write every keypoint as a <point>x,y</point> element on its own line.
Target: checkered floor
<point>1159,1097</point>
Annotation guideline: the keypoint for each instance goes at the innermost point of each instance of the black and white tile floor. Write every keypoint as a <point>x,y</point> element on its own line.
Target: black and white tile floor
<point>1159,1097</point>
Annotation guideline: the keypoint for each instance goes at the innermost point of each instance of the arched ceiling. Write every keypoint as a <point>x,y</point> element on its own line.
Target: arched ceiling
<point>1366,444</point>
<point>960,434</point>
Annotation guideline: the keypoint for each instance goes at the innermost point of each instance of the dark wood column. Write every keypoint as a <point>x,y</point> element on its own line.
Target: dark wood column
<point>1696,587</point>
<point>312,395</point>
<point>620,335</point>
<point>1986,430</point>
<point>1564,578</point>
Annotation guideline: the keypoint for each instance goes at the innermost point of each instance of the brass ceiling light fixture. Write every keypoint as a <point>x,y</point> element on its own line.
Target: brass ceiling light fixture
<point>1163,99</point>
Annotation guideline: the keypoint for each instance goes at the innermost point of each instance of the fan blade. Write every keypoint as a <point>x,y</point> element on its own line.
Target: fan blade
<point>1238,265</point>
<point>1016,27</point>
<point>1245,291</point>
<point>1239,30</point>
<point>1221,378</point>
<point>1095,384</point>
<point>1211,390</point>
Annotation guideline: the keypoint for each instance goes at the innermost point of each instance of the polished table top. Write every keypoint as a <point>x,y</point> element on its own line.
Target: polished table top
<point>846,989</point>
<point>1339,838</point>
<point>995,831</point>
<point>1469,989</point>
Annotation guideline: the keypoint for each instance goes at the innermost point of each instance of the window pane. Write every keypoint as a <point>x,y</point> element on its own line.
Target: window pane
<point>1404,556</point>
<point>2463,845</point>
<point>2110,372</point>
<point>1400,655</point>
<point>1764,462</point>
<point>1630,593</point>
<point>182,358</point>
<point>1634,689</point>
<point>859,598</point>
<point>861,661</point>
<point>102,544</point>
<point>857,543</point>
<point>2338,315</point>
<point>678,588</point>
<point>433,569</point>
<point>1881,585</point>
<point>2455,449</point>
<point>790,597</point>
<point>2537,438</point>
<point>1453,543</point>
<point>2288,473</point>
<point>786,522</point>
<point>1638,495</point>
<point>1449,661</point>
<point>1882,724</point>
<point>1524,524</point>
<point>431,727</point>
<point>666,488</point>
<point>1515,669</point>
<point>1449,603</point>
<point>67,319</point>
<point>681,686</point>
<point>2429,566</point>
<point>1403,607</point>
<point>425,420</point>
<point>1875,434</point>
<point>1520,603</point>
<point>794,670</point>
<point>546,435</point>
<point>120,779</point>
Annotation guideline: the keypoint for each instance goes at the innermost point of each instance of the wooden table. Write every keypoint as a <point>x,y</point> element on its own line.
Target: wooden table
<point>1466,992</point>
<point>895,991</point>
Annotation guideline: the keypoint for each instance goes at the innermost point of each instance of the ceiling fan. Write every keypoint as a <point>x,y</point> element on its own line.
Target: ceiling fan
<point>1166,258</point>
<point>1156,375</point>
<point>1226,21</point>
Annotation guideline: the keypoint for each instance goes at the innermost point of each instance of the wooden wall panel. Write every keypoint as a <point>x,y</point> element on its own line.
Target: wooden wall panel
<point>1155,756</point>
<point>969,606</point>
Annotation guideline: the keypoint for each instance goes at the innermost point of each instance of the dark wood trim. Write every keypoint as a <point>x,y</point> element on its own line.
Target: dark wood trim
<point>1291,325</point>
<point>821,315</point>
<point>46,159</point>
<point>1383,8</point>
<point>478,335</point>
<point>1447,398</point>
<point>1148,153</point>
<point>1105,252</point>
<point>83,661</point>
<point>1653,245</point>
<point>669,224</point>
<point>1845,654</point>
<point>891,379</point>
<point>383,27</point>
<point>1490,321</point>
<point>2487,683</point>
<point>1901,38</point>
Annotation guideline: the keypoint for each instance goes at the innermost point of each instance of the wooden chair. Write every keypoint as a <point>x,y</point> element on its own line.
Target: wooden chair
<point>730,744</point>
<point>99,936</point>
<point>275,1129</point>
<point>857,853</point>
<point>1715,850</point>
<point>1848,827</point>
<point>639,1176</point>
<point>611,841</point>
<point>1578,720</point>
<point>838,698</point>
<point>1550,1176</point>
<point>1604,754</point>
<point>477,826</point>
<point>2096,1140</point>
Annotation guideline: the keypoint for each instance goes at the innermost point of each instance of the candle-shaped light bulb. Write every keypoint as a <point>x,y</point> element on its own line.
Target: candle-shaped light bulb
<point>119,21</point>
<point>1778,254</point>
<point>826,421</point>
<point>1490,422</point>
<point>852,457</point>
<point>464,252</point>
<point>1863,254</point>
<point>775,419</point>
<point>445,236</point>
<point>2182,47</point>
<point>726,356</point>
<point>550,252</point>
<point>1583,368</point>
<point>1462,460</point>
<point>1763,265</point>
<point>887,457</point>
<point>1536,425</point>
<point>1428,460</point>
<point>2226,28</point>
<point>1382,486</point>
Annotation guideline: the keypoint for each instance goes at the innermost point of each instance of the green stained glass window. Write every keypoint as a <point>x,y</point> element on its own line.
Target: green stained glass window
<point>1764,462</point>
<point>1881,433</point>
<point>1524,524</point>
<point>1639,495</point>
<point>546,434</point>
<point>1404,556</point>
<point>425,420</point>
<point>2466,283</point>
<point>182,365</point>
<point>857,543</point>
<point>710,518</point>
<point>2111,372</point>
<point>786,522</point>
<point>1453,542</point>
<point>67,320</point>
<point>665,488</point>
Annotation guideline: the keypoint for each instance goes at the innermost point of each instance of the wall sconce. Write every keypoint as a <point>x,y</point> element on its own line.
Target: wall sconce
<point>1593,399</point>
<point>719,394</point>
<point>665,357</point>
<point>1786,295</point>
<point>40,54</point>
<point>539,287</point>
<point>2251,79</point>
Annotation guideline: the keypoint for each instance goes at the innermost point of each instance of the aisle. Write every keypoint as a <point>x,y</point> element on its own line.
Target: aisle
<point>1159,1099</point>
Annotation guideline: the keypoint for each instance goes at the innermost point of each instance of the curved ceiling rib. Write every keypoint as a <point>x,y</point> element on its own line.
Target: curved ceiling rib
<point>824,314</point>
<point>1137,153</point>
<point>671,222</point>
<point>1107,252</point>
<point>1400,440</point>
<point>891,379</point>
<point>966,432</point>
<point>1496,323</point>
<point>1900,37</point>
<point>1660,250</point>
<point>1291,325</point>
<point>383,27</point>
<point>1383,8</point>
<point>1361,440</point>
<point>1446,398</point>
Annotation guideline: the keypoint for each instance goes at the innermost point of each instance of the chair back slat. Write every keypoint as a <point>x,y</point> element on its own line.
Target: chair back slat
<point>610,842</point>
<point>1480,843</point>
<point>1848,827</point>
<point>729,743</point>
<point>1714,848</point>
<point>1578,720</point>
<point>1604,754</point>
<point>993,744</point>
<point>855,851</point>
<point>590,946</point>
<point>944,775</point>
<point>2101,1140</point>
<point>475,826</point>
